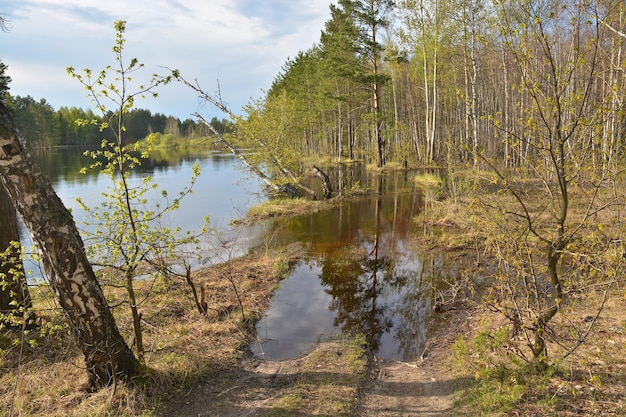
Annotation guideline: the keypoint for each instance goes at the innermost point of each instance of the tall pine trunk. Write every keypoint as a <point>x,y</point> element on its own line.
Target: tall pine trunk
<point>107,356</point>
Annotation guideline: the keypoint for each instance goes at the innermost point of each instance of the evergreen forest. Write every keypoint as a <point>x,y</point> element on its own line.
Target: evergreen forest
<point>43,127</point>
<point>418,83</point>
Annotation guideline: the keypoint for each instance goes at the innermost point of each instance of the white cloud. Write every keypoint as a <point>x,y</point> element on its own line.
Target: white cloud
<point>243,43</point>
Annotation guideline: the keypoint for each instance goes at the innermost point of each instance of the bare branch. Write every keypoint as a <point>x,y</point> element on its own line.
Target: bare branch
<point>4,23</point>
<point>611,28</point>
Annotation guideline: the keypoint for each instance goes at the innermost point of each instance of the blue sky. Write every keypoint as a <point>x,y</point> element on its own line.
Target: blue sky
<point>241,43</point>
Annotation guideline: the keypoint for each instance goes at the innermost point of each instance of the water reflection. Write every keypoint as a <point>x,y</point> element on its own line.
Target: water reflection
<point>223,191</point>
<point>294,321</point>
<point>359,275</point>
<point>360,272</point>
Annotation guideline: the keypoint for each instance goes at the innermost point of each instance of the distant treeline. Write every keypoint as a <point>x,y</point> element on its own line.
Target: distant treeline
<point>43,126</point>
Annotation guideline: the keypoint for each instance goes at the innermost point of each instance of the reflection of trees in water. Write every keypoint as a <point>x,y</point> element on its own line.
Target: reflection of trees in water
<point>66,164</point>
<point>380,286</point>
<point>365,281</point>
<point>374,294</point>
<point>354,284</point>
<point>377,285</point>
<point>414,307</point>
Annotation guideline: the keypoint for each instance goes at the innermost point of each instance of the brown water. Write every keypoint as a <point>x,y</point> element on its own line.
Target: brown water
<point>360,273</point>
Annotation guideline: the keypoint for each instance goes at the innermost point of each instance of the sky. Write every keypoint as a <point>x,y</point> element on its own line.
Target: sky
<point>238,45</point>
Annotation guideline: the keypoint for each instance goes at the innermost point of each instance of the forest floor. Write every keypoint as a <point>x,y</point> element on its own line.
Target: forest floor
<point>471,366</point>
<point>338,378</point>
<point>256,387</point>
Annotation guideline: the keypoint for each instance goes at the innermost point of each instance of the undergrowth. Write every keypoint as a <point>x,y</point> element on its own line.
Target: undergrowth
<point>45,375</point>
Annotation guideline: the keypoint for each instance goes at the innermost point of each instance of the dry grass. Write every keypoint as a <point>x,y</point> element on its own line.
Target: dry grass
<point>589,382</point>
<point>427,180</point>
<point>48,379</point>
<point>327,383</point>
<point>284,207</point>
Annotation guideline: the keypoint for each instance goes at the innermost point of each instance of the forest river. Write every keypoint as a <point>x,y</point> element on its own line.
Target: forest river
<point>359,273</point>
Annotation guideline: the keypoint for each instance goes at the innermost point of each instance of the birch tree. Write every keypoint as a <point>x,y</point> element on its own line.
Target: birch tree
<point>107,356</point>
<point>421,33</point>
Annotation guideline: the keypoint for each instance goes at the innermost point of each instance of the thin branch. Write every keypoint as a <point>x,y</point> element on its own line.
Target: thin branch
<point>582,339</point>
<point>611,28</point>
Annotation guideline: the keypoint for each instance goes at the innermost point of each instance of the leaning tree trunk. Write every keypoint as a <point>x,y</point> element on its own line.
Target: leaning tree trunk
<point>287,189</point>
<point>14,295</point>
<point>107,356</point>
<point>326,184</point>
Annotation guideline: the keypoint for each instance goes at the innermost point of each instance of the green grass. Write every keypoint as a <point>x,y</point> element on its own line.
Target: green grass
<point>428,180</point>
<point>328,382</point>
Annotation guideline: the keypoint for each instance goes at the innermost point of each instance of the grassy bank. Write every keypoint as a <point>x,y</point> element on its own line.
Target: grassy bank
<point>43,375</point>
<point>474,223</point>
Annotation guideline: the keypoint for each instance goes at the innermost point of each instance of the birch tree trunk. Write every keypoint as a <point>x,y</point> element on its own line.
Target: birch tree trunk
<point>474,81</point>
<point>433,120</point>
<point>107,356</point>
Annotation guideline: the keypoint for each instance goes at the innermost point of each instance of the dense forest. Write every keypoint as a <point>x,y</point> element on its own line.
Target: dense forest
<point>417,82</point>
<point>423,82</point>
<point>43,126</point>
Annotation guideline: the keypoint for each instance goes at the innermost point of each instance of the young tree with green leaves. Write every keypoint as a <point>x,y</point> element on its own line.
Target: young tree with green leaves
<point>107,356</point>
<point>130,235</point>
<point>267,130</point>
<point>14,295</point>
<point>15,301</point>
<point>536,237</point>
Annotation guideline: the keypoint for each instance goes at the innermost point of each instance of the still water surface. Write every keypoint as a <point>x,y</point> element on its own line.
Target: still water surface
<point>223,191</point>
<point>360,272</point>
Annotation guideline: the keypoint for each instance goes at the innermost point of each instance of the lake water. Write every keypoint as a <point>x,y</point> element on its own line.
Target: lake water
<point>360,271</point>
<point>223,191</point>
